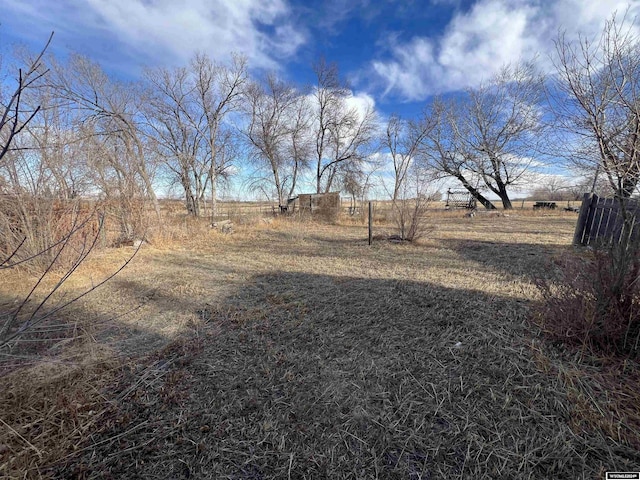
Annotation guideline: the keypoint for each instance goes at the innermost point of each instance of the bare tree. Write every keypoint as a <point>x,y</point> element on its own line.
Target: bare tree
<point>597,101</point>
<point>33,137</point>
<point>28,217</point>
<point>278,133</point>
<point>501,128</point>
<point>218,89</point>
<point>353,183</point>
<point>491,133</point>
<point>342,133</point>
<point>443,150</point>
<point>359,181</point>
<point>176,126</point>
<point>113,111</point>
<point>553,188</point>
<point>52,146</point>
<point>403,140</point>
<point>43,175</point>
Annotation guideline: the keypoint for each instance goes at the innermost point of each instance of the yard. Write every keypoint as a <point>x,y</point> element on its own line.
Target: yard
<point>292,349</point>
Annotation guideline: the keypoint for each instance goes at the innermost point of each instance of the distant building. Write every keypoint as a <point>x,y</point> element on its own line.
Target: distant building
<point>323,205</point>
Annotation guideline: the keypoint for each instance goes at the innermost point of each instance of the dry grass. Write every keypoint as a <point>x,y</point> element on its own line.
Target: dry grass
<point>294,350</point>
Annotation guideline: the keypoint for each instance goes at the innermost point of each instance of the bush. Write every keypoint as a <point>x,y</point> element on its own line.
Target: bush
<point>595,302</point>
<point>409,217</point>
<point>33,230</point>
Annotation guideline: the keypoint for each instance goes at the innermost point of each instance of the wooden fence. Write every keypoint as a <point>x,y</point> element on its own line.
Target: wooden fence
<point>600,219</point>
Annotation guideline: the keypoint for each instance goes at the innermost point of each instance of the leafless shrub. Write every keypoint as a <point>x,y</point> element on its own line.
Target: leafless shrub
<point>127,219</point>
<point>409,217</point>
<point>409,208</point>
<point>41,302</point>
<point>595,303</point>
<point>410,180</point>
<point>33,228</point>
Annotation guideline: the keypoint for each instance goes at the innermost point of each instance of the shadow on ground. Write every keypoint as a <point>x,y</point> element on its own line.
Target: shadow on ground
<point>315,376</point>
<point>526,260</point>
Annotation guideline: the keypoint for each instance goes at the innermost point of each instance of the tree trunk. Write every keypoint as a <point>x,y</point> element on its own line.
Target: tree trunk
<point>151,192</point>
<point>476,194</point>
<point>193,207</point>
<point>504,196</point>
<point>142,171</point>
<point>318,179</point>
<point>199,195</point>
<point>293,181</point>
<point>396,190</point>
<point>332,174</point>
<point>214,204</point>
<point>279,189</point>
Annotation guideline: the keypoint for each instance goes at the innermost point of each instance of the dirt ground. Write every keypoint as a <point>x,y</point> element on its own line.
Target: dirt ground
<point>290,349</point>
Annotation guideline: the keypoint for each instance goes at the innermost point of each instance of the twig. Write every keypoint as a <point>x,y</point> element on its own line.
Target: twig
<point>22,438</point>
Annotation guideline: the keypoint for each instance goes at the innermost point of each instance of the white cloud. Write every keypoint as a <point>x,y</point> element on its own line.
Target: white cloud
<point>362,102</point>
<point>478,42</point>
<point>169,30</point>
<point>331,13</point>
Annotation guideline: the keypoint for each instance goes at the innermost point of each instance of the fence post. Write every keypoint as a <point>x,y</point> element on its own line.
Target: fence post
<point>370,223</point>
<point>587,200</point>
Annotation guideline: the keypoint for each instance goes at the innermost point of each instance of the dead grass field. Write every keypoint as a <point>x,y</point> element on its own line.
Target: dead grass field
<point>295,350</point>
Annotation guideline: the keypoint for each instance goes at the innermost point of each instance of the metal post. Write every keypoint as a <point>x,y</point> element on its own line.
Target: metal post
<point>370,223</point>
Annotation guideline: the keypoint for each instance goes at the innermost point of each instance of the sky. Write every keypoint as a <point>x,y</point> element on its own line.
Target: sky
<point>396,54</point>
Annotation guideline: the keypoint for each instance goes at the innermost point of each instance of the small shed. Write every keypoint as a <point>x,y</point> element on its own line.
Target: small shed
<point>324,205</point>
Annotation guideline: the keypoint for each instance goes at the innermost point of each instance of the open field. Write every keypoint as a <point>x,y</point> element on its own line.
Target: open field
<point>293,349</point>
<point>238,209</point>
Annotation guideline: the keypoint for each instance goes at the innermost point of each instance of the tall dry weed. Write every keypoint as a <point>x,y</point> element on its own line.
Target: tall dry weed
<point>595,301</point>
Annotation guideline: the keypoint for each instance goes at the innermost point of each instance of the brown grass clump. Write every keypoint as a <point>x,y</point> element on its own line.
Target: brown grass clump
<point>179,229</point>
<point>47,410</point>
<point>606,401</point>
<point>593,304</point>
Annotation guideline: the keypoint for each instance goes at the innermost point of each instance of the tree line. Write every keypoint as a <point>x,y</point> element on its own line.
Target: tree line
<point>68,129</point>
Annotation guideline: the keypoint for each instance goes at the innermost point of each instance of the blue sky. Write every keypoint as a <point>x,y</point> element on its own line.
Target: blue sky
<point>395,54</point>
